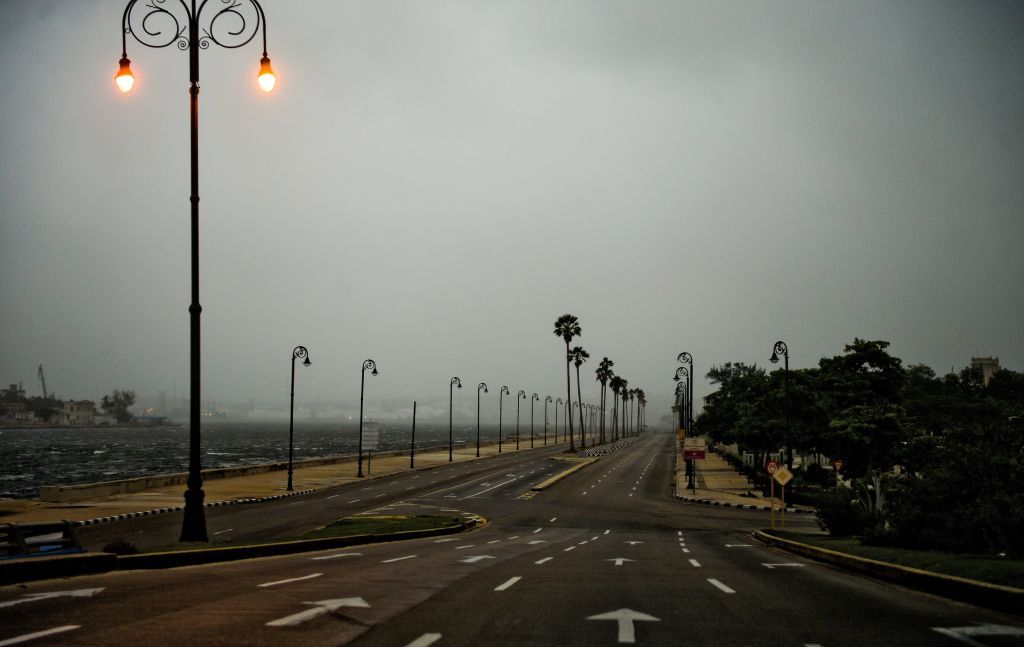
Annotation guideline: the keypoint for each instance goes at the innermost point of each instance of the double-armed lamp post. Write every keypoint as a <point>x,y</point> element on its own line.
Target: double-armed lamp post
<point>533,398</point>
<point>193,26</point>
<point>520,396</point>
<point>547,398</point>
<point>686,358</point>
<point>453,383</point>
<point>782,349</point>
<point>372,365</point>
<point>299,352</point>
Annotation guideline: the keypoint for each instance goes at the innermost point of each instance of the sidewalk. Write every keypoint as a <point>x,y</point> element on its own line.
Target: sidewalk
<point>239,489</point>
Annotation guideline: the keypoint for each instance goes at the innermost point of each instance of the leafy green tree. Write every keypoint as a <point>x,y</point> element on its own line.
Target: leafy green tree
<point>117,404</point>
<point>578,356</point>
<point>567,327</point>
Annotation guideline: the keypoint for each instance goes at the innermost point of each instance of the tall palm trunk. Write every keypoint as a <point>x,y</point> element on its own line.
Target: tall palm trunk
<point>583,438</point>
<point>615,416</point>
<point>568,395</point>
<point>602,413</point>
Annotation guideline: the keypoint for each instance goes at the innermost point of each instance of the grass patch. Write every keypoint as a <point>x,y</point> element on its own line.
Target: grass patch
<point>379,525</point>
<point>986,568</point>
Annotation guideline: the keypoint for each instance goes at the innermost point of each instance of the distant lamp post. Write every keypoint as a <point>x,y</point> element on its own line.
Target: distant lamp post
<point>501,396</point>
<point>454,382</point>
<point>520,396</point>
<point>782,349</point>
<point>479,387</point>
<point>686,358</point>
<point>533,398</point>
<point>299,352</point>
<point>372,365</point>
<point>683,373</point>
<point>558,404</point>
<point>547,399</point>
<point>183,25</point>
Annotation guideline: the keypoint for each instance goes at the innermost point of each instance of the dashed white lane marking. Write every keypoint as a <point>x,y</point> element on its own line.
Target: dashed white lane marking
<point>553,519</point>
<point>425,640</point>
<point>366,488</point>
<point>336,555</point>
<point>686,550</point>
<point>397,559</point>
<point>513,537</point>
<point>585,541</point>
<point>508,584</point>
<point>380,495</point>
<point>354,501</point>
<point>723,588</point>
<point>695,563</point>
<point>546,559</point>
<point>595,538</point>
<point>537,541</point>
<point>333,495</point>
<point>294,579</point>
<point>494,542</point>
<point>773,566</point>
<point>537,530</point>
<point>607,531</point>
<point>221,532</point>
<point>464,547</point>
<point>38,634</point>
<point>569,548</point>
<point>739,545</point>
<point>679,532</point>
<point>584,493</point>
<point>441,541</point>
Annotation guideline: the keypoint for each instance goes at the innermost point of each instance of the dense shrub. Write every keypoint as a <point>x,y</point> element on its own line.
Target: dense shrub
<point>841,514</point>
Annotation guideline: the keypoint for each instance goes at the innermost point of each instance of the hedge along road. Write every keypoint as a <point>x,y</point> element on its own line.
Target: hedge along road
<point>582,562</point>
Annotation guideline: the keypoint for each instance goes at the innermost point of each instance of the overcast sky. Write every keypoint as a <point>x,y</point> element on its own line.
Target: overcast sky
<point>433,183</point>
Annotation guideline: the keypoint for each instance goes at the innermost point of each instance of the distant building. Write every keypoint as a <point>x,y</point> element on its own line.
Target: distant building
<point>14,412</point>
<point>79,413</point>
<point>13,393</point>
<point>988,366</point>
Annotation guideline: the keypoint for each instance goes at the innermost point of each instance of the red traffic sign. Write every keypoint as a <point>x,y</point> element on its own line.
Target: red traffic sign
<point>771,467</point>
<point>693,454</point>
<point>838,464</point>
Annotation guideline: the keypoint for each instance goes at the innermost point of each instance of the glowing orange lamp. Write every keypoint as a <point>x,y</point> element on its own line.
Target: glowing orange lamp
<point>267,79</point>
<point>125,79</point>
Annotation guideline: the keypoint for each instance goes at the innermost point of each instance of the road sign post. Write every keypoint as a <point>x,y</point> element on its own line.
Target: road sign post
<point>771,467</point>
<point>783,476</point>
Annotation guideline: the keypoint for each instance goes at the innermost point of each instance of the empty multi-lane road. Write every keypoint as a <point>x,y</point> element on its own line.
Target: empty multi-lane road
<point>605,557</point>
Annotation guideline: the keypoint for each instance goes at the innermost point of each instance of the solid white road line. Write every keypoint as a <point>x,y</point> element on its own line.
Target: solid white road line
<point>546,559</point>
<point>695,563</point>
<point>569,548</point>
<point>720,586</point>
<point>220,532</point>
<point>38,634</point>
<point>294,579</point>
<point>397,559</point>
<point>425,640</point>
<point>354,501</point>
<point>333,495</point>
<point>508,584</point>
<point>464,547</point>
<point>336,555</point>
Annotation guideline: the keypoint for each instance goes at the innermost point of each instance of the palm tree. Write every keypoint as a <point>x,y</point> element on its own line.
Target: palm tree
<point>624,389</point>
<point>616,385</point>
<point>641,400</point>
<point>579,356</point>
<point>604,373</point>
<point>568,326</point>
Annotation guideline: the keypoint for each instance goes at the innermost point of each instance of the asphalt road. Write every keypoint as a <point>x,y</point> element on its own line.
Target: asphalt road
<point>605,557</point>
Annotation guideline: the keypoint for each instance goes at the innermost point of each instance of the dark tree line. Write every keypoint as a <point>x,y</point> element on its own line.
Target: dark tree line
<point>928,461</point>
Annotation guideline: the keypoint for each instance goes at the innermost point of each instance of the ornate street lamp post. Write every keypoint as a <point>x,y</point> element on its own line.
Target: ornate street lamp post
<point>501,395</point>
<point>683,373</point>
<point>454,382</point>
<point>558,404</point>
<point>299,352</point>
<point>185,26</point>
<point>372,365</point>
<point>686,358</point>
<point>479,387</point>
<point>782,349</point>
<point>519,396</point>
<point>547,398</point>
<point>533,398</point>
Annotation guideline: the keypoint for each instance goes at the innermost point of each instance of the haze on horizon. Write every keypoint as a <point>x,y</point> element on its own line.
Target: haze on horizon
<point>432,185</point>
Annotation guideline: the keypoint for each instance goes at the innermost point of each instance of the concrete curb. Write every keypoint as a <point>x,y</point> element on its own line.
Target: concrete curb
<point>743,506</point>
<point>212,504</point>
<point>561,475</point>
<point>991,596</point>
<point>43,568</point>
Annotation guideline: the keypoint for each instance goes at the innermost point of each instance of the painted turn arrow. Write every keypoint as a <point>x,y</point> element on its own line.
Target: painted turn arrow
<point>35,597</point>
<point>625,618</point>
<point>618,560</point>
<point>475,558</point>
<point>319,608</point>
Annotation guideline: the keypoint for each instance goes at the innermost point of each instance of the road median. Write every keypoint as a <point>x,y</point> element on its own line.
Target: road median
<point>540,487</point>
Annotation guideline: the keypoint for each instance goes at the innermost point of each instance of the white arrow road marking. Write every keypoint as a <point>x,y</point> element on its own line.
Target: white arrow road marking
<point>475,558</point>
<point>397,559</point>
<point>695,563</point>
<point>38,634</point>
<point>319,608</point>
<point>720,586</point>
<point>508,584</point>
<point>546,559</point>
<point>294,579</point>
<point>739,545</point>
<point>537,541</point>
<point>336,555</point>
<point>425,640</point>
<point>34,597</point>
<point>770,566</point>
<point>964,634</point>
<point>619,560</point>
<point>625,618</point>
<point>633,543</point>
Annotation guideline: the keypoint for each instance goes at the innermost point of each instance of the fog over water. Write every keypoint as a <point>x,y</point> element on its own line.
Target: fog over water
<point>432,184</point>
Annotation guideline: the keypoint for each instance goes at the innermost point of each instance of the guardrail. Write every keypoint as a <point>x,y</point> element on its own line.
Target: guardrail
<point>33,539</point>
